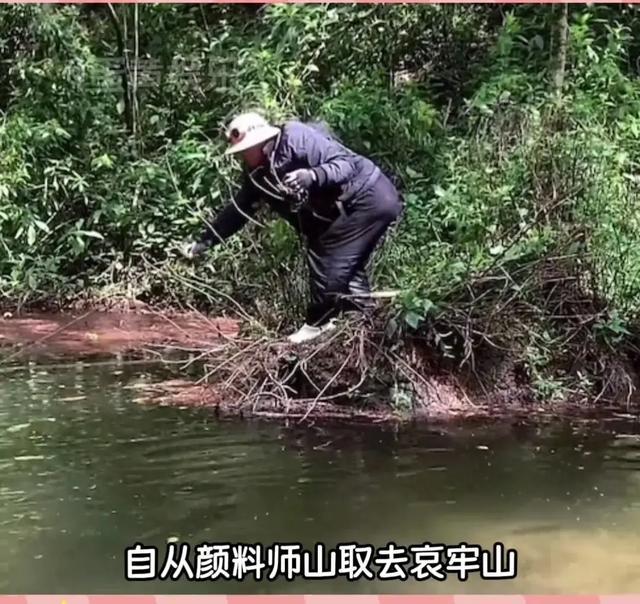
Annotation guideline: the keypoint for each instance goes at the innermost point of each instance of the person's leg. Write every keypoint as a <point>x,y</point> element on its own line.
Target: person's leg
<point>359,298</point>
<point>344,249</point>
<point>314,324</point>
<point>317,286</point>
<point>359,287</point>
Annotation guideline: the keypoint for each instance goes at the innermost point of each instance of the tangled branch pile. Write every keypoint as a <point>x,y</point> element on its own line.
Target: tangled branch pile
<point>359,371</point>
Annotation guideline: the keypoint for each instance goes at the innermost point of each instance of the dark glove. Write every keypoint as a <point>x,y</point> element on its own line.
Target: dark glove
<point>300,179</point>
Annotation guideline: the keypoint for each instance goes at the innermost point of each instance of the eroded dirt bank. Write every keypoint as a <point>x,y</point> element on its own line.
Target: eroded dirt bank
<point>99,333</point>
<point>357,374</point>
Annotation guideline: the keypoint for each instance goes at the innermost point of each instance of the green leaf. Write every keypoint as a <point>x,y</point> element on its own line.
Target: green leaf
<point>31,234</point>
<point>93,234</point>
<point>103,161</point>
<point>43,226</point>
<point>413,319</point>
<point>428,306</point>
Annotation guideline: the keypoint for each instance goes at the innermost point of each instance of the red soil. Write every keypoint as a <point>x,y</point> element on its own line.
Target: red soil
<point>104,333</point>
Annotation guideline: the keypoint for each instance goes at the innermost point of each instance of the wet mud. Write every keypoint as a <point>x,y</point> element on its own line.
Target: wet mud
<point>239,370</point>
<point>100,334</point>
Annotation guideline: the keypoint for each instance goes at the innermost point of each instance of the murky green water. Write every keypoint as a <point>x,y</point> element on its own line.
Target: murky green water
<point>86,471</point>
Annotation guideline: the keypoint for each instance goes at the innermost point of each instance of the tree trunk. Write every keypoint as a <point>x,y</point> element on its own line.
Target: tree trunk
<point>126,85</point>
<point>136,55</point>
<point>559,49</point>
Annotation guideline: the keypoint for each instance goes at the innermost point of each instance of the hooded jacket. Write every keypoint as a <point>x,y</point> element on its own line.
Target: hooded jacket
<point>340,173</point>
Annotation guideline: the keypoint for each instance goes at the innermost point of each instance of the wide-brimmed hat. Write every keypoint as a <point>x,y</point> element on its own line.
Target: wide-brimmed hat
<point>249,130</point>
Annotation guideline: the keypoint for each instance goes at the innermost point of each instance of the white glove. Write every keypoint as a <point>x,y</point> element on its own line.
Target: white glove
<point>300,179</point>
<point>192,249</point>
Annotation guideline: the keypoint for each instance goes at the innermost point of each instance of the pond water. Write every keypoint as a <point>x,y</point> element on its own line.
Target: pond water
<point>87,471</point>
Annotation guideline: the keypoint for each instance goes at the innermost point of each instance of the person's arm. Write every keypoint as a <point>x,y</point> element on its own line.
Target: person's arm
<point>231,219</point>
<point>329,162</point>
<point>227,223</point>
<point>337,168</point>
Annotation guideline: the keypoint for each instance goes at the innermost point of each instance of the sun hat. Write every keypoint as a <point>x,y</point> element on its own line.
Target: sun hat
<point>249,130</point>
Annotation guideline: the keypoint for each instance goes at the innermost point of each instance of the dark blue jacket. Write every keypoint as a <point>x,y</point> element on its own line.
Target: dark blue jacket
<point>341,175</point>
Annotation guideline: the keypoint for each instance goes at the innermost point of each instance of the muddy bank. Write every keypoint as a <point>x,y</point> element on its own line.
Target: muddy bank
<point>360,373</point>
<point>97,333</point>
<point>340,378</point>
<point>461,411</point>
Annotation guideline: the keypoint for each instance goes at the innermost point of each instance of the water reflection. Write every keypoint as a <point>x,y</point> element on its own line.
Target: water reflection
<point>86,472</point>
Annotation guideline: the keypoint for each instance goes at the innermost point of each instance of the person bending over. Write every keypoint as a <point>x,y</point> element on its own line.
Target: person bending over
<point>339,201</point>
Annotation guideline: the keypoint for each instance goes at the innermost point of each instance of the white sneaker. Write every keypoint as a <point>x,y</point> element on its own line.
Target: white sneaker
<point>309,332</point>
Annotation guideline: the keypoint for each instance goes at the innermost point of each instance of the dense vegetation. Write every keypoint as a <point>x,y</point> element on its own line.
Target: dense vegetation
<point>513,130</point>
